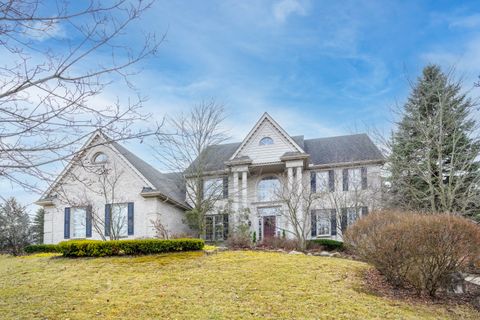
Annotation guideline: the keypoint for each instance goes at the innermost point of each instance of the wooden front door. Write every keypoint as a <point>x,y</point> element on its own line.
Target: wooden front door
<point>269,226</point>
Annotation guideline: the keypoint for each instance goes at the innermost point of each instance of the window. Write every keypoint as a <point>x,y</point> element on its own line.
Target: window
<point>78,225</point>
<point>216,227</point>
<point>323,222</point>
<point>322,181</point>
<point>352,215</point>
<point>213,188</point>
<point>100,157</point>
<point>355,179</point>
<point>266,141</point>
<point>266,188</point>
<point>120,219</point>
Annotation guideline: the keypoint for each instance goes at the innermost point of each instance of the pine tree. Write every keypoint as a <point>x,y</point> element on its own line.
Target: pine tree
<point>434,149</point>
<point>37,227</point>
<point>14,227</point>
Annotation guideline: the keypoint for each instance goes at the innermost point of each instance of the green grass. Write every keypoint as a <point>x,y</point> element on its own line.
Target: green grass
<point>227,285</point>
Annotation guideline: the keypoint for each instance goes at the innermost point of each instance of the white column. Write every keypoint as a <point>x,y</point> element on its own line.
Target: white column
<point>235,191</point>
<point>244,190</point>
<point>299,179</point>
<point>290,178</point>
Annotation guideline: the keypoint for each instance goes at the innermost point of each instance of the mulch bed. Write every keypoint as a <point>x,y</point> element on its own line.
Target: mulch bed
<point>376,283</point>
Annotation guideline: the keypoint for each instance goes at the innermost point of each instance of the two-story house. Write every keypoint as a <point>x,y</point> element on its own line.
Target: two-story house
<point>341,175</point>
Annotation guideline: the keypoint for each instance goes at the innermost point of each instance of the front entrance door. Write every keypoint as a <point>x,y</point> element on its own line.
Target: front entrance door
<point>269,225</point>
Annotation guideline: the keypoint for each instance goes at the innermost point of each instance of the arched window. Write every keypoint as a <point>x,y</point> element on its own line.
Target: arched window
<point>266,141</point>
<point>267,188</point>
<point>100,157</point>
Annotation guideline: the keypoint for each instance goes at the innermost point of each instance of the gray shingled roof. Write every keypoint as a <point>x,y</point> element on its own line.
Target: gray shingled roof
<point>341,149</point>
<point>322,151</point>
<point>169,184</point>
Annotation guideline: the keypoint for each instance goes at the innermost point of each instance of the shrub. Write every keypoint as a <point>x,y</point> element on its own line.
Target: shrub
<point>37,248</point>
<point>279,243</point>
<point>97,248</point>
<point>239,241</point>
<point>414,249</point>
<point>326,244</point>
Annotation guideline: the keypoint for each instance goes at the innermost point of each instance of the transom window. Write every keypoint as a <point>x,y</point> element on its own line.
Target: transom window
<point>79,220</point>
<point>100,157</point>
<point>266,141</point>
<point>267,189</point>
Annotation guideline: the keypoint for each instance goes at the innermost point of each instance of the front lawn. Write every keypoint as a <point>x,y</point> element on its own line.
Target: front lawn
<point>227,285</point>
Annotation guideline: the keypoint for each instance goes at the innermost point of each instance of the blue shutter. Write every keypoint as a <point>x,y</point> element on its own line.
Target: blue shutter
<point>331,180</point>
<point>364,211</point>
<point>225,187</point>
<point>130,218</point>
<point>344,219</point>
<point>108,214</point>
<point>200,185</point>
<point>313,181</point>
<point>333,222</point>
<point>313,220</point>
<point>88,223</point>
<point>364,178</point>
<point>66,224</point>
<point>345,179</point>
<point>225,226</point>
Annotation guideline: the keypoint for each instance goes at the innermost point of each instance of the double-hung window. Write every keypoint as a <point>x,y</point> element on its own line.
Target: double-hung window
<point>323,222</point>
<point>78,224</point>
<point>213,188</point>
<point>120,219</point>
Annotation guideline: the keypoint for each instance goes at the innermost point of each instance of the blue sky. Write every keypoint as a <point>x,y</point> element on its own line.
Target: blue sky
<point>320,68</point>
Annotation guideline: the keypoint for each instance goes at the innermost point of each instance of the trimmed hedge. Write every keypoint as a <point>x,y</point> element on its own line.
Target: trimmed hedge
<point>38,248</point>
<point>327,244</point>
<point>98,248</point>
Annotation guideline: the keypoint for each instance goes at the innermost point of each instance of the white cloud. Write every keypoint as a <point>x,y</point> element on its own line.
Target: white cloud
<point>41,31</point>
<point>470,21</point>
<point>283,9</point>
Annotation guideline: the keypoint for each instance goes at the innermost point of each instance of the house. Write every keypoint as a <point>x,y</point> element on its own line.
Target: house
<point>107,178</point>
<point>341,176</point>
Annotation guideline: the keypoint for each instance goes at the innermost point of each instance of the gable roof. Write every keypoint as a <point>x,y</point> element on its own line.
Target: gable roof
<point>170,185</point>
<point>265,117</point>
<point>323,151</point>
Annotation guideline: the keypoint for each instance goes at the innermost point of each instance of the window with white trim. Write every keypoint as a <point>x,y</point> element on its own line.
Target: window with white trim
<point>352,215</point>
<point>266,141</point>
<point>213,188</point>
<point>78,218</point>
<point>267,188</point>
<point>322,181</point>
<point>323,222</point>
<point>355,179</point>
<point>120,219</point>
<point>100,157</point>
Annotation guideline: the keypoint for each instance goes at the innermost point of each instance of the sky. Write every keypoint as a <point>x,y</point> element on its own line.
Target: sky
<point>319,68</point>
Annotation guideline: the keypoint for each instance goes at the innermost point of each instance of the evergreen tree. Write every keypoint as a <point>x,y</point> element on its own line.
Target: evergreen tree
<point>434,149</point>
<point>14,227</point>
<point>37,227</point>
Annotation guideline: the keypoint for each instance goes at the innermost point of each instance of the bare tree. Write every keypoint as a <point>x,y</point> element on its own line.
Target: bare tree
<point>99,197</point>
<point>298,200</point>
<point>48,82</point>
<point>190,151</point>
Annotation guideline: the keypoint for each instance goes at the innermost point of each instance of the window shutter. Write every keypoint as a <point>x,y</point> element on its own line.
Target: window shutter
<point>225,187</point>
<point>225,226</point>
<point>130,218</point>
<point>344,220</point>
<point>313,181</point>
<point>333,222</point>
<point>313,223</point>
<point>331,180</point>
<point>364,178</point>
<point>200,185</point>
<point>345,179</point>
<point>88,223</point>
<point>66,224</point>
<point>108,212</point>
<point>364,211</point>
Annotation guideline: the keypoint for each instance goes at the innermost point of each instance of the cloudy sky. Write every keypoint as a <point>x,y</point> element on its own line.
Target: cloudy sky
<point>320,68</point>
